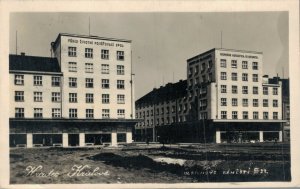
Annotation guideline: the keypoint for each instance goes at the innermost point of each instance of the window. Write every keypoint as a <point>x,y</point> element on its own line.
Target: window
<point>275,91</point>
<point>121,99</point>
<point>244,64</point>
<point>234,89</point>
<point>37,96</point>
<point>255,102</point>
<point>89,82</point>
<point>223,88</point>
<point>72,82</point>
<point>73,97</point>
<point>120,84</point>
<point>275,103</point>
<point>223,63</point>
<point>234,76</point>
<point>245,102</point>
<point>120,70</point>
<point>37,80</point>
<point>255,77</point>
<point>168,110</point>
<point>233,63</point>
<point>105,84</point>
<point>56,97</point>
<point>56,113</point>
<point>265,103</point>
<point>223,102</point>
<point>89,68</point>
<point>255,90</point>
<point>234,114</point>
<point>19,96</point>
<point>255,115</point>
<point>89,98</point>
<point>72,113</point>
<point>223,115</point>
<point>223,76</point>
<point>121,113</point>
<point>190,71</point>
<point>88,53</point>
<point>209,65</point>
<point>55,81</point>
<point>245,115</point>
<point>275,115</point>
<point>244,77</point>
<point>202,66</point>
<point>266,115</point>
<point>89,113</point>
<point>120,55</point>
<point>234,102</point>
<point>72,51</point>
<point>265,91</point>
<point>245,89</point>
<point>105,68</point>
<point>254,65</point>
<point>209,77</point>
<point>72,67</point>
<point>196,69</point>
<point>196,80</point>
<point>105,98</point>
<point>105,113</point>
<point>104,54</point>
<point>19,79</point>
<point>38,112</point>
<point>19,112</point>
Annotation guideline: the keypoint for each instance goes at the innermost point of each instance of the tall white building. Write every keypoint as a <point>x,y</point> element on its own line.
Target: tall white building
<point>227,99</point>
<point>233,94</point>
<point>83,96</point>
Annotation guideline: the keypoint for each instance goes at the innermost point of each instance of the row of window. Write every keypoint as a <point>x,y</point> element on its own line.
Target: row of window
<point>223,64</point>
<point>234,76</point>
<point>56,97</point>
<point>89,68</point>
<point>255,103</point>
<point>234,90</point>
<point>89,83</point>
<point>223,76</point>
<point>203,68</point>
<point>234,64</point>
<point>56,113</point>
<point>89,53</point>
<point>245,114</point>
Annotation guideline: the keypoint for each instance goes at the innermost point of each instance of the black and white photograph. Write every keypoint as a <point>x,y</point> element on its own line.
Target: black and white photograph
<point>150,97</point>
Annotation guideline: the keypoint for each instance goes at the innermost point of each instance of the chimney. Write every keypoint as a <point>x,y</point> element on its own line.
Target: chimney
<point>22,54</point>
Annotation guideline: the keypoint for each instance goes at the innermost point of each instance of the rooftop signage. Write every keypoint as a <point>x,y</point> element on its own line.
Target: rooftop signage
<point>239,55</point>
<point>92,42</point>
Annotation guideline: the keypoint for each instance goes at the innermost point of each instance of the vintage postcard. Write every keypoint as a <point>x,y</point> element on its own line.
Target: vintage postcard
<point>154,94</point>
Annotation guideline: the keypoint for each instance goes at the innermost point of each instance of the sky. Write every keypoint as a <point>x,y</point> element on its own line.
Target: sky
<point>162,42</point>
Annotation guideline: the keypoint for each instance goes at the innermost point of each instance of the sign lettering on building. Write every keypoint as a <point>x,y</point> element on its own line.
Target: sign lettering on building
<point>99,43</point>
<point>239,55</point>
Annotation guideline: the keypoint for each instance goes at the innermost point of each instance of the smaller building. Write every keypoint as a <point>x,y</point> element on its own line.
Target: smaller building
<point>161,107</point>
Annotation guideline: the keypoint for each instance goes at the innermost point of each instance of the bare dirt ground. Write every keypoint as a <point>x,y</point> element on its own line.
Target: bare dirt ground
<point>152,164</point>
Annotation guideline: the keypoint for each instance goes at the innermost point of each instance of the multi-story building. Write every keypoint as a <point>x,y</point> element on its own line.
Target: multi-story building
<point>229,100</point>
<point>83,96</point>
<point>285,104</point>
<point>161,107</point>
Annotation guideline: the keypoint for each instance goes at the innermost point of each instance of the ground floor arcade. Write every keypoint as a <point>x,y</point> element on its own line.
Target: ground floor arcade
<point>68,133</point>
<point>210,131</point>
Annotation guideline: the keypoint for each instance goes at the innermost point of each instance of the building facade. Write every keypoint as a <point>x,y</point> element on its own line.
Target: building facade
<point>229,100</point>
<point>83,96</point>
